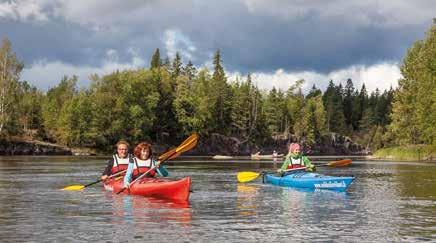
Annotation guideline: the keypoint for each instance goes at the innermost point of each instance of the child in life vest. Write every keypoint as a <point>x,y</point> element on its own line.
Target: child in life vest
<point>294,159</point>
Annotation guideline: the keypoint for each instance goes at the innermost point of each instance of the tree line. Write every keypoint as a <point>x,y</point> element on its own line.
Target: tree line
<point>170,99</point>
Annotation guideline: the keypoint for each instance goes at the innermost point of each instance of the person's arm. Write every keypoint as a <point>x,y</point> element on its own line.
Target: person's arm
<point>108,170</point>
<point>308,164</point>
<point>161,170</point>
<point>128,176</point>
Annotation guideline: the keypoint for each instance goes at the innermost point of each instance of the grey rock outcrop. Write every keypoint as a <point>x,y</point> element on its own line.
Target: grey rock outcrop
<point>8,147</point>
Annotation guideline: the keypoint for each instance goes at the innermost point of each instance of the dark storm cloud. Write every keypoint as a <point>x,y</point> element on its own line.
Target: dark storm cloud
<point>253,36</point>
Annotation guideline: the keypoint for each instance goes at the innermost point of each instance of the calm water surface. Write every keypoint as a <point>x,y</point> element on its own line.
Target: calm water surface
<point>388,202</point>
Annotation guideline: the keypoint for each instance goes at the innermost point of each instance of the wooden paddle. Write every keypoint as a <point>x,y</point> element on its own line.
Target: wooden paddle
<point>339,163</point>
<point>188,144</point>
<point>80,187</point>
<point>171,154</point>
<point>247,176</point>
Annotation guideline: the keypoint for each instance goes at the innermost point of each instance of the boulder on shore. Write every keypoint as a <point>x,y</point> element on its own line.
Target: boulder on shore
<point>329,144</point>
<point>21,147</point>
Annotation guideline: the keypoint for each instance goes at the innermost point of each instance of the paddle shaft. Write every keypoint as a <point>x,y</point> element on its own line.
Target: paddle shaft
<point>97,181</point>
<point>145,173</point>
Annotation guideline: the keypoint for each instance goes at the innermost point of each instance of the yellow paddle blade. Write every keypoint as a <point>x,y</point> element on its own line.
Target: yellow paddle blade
<point>247,176</point>
<point>340,163</point>
<point>73,188</point>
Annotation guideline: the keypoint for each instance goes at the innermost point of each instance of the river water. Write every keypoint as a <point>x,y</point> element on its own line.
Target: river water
<point>388,202</point>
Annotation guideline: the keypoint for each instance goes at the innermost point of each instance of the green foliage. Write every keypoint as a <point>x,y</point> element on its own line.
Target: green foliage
<point>332,100</point>
<point>177,66</point>
<point>10,70</point>
<point>409,152</point>
<point>55,111</point>
<point>220,93</point>
<point>413,109</point>
<point>314,92</point>
<point>170,100</point>
<point>314,119</point>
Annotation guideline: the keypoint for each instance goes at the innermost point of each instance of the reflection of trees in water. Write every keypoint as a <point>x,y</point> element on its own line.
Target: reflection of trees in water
<point>142,210</point>
<point>416,183</point>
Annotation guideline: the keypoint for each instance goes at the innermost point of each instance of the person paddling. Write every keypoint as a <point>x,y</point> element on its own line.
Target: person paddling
<point>119,161</point>
<point>143,162</point>
<point>294,159</point>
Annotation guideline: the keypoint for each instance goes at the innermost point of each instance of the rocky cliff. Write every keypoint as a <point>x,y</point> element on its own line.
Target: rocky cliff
<point>329,144</point>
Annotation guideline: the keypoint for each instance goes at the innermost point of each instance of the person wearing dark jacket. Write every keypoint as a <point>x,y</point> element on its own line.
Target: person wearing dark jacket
<point>119,161</point>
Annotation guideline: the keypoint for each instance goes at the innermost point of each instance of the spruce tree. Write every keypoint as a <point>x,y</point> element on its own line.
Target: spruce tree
<point>348,102</point>
<point>155,59</point>
<point>221,95</point>
<point>177,66</point>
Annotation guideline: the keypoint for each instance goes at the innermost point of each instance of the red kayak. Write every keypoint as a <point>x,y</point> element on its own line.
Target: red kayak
<point>154,187</point>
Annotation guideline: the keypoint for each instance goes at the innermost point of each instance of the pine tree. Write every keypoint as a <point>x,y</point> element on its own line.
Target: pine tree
<point>221,95</point>
<point>155,59</point>
<point>313,92</point>
<point>190,71</point>
<point>332,100</point>
<point>348,102</point>
<point>177,66</point>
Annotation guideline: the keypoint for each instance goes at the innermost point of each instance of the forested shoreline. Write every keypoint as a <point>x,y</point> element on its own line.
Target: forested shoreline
<point>169,100</point>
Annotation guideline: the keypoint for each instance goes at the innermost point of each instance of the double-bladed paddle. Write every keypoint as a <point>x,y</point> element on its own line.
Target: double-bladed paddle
<point>80,187</point>
<point>188,144</point>
<point>171,154</point>
<point>247,176</point>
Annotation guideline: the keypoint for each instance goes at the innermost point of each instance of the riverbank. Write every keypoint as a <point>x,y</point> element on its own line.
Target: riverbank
<point>330,144</point>
<point>13,146</point>
<point>410,152</point>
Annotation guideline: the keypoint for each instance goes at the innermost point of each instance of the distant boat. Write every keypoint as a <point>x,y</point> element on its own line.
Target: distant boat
<point>266,156</point>
<point>222,157</point>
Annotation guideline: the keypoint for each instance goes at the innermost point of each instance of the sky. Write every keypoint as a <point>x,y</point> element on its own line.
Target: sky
<point>277,41</point>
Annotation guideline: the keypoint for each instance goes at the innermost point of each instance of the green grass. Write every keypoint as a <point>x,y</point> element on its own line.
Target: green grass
<point>410,152</point>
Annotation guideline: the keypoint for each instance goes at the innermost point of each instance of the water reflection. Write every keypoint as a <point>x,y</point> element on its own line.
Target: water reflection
<point>392,202</point>
<point>246,201</point>
<point>144,210</point>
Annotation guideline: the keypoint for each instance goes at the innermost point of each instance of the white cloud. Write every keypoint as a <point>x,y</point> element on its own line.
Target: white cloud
<point>175,40</point>
<point>24,10</point>
<point>381,76</point>
<point>45,74</point>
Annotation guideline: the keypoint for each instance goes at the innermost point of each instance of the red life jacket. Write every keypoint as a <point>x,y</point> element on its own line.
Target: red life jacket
<point>120,164</point>
<point>142,166</point>
<point>296,163</point>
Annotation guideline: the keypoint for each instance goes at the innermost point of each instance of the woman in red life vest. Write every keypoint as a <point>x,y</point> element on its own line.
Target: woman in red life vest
<point>119,161</point>
<point>142,163</point>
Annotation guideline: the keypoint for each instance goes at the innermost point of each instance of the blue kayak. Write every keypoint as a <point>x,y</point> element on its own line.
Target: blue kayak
<point>302,179</point>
